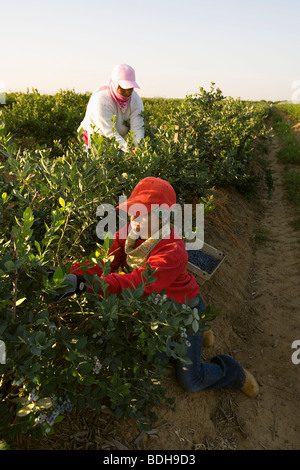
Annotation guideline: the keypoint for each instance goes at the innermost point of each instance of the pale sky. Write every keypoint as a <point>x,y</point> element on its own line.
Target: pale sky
<point>250,49</point>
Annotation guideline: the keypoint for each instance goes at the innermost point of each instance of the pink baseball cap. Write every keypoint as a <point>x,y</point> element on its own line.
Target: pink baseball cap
<point>124,75</point>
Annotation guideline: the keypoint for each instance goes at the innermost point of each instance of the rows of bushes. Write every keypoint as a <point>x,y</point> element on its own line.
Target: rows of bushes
<point>215,136</point>
<point>289,152</point>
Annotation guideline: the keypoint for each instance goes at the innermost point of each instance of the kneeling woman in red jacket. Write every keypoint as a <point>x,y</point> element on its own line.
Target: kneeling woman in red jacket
<point>165,252</point>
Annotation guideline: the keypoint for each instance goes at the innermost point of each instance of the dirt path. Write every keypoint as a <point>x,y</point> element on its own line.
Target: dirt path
<point>273,305</point>
<point>258,288</point>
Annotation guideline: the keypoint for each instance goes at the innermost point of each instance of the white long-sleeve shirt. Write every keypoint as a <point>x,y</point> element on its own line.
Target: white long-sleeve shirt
<point>102,108</point>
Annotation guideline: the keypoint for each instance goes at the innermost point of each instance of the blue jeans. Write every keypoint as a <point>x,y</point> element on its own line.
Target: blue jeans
<point>221,372</point>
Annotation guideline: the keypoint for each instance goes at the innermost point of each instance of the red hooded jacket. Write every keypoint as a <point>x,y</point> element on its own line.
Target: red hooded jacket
<point>169,257</point>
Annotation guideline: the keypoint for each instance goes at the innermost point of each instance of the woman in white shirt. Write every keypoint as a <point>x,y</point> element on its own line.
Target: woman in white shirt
<point>117,98</point>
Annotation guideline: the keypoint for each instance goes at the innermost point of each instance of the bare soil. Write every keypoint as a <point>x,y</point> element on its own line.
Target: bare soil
<point>257,287</point>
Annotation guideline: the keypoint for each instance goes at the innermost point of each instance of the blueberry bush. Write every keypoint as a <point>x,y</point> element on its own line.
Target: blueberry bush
<point>34,119</point>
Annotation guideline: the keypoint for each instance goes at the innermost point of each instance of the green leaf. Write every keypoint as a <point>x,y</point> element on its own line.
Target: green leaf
<point>88,380</point>
<point>188,320</point>
<point>58,275</point>
<point>85,367</point>
<point>108,241</point>
<point>58,419</point>
<point>196,314</point>
<point>38,247</point>
<point>194,302</point>
<point>62,202</point>
<point>195,325</point>
<point>18,263</point>
<point>36,351</point>
<point>9,265</point>
<point>44,403</point>
<point>20,301</point>
<point>27,215</point>
<point>25,410</point>
<point>4,446</point>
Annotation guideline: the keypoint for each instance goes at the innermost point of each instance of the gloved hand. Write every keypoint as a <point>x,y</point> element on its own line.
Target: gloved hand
<point>74,285</point>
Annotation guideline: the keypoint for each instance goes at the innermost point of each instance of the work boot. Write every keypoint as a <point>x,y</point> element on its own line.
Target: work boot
<point>208,338</point>
<point>250,386</point>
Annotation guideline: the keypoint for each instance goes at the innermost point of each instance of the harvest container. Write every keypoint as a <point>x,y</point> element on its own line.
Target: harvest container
<point>204,262</point>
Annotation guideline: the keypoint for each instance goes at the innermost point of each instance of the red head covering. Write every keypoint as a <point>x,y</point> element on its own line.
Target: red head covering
<point>150,193</point>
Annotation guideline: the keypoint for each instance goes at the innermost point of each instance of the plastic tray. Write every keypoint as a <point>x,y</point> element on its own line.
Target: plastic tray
<point>203,275</point>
